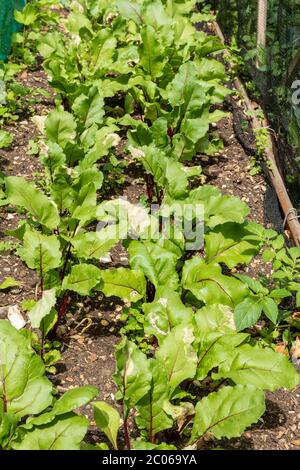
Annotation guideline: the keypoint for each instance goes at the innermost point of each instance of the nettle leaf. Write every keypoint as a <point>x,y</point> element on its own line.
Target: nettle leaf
<point>82,279</point>
<point>152,56</point>
<point>127,284</point>
<point>150,408</point>
<point>231,244</point>
<point>166,312</point>
<point>108,420</point>
<point>6,139</point>
<point>158,264</point>
<point>22,193</point>
<point>133,375</point>
<point>40,252</point>
<point>253,284</point>
<point>22,374</point>
<point>9,282</point>
<point>63,433</point>
<point>263,368</point>
<point>27,16</point>
<point>89,108</point>
<point>207,283</point>
<point>248,312</point>
<point>178,355</point>
<point>228,412</point>
<point>270,309</point>
<point>60,127</point>
<point>42,308</point>
<point>213,352</point>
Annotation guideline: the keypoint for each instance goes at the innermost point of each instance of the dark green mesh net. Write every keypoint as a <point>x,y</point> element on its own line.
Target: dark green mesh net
<point>277,77</point>
<point>8,25</point>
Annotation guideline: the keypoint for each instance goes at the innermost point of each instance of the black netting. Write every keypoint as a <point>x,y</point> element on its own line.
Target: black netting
<point>275,70</point>
<point>8,25</point>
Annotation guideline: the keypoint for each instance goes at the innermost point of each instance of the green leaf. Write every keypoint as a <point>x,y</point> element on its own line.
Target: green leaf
<point>127,284</point>
<point>195,129</point>
<point>230,244</point>
<point>130,10</point>
<point>150,408</point>
<point>152,57</point>
<point>210,69</point>
<point>178,356</point>
<point>166,312</point>
<point>9,282</point>
<point>82,279</point>
<point>22,374</point>
<point>262,368</point>
<point>6,139</point>
<point>42,308</point>
<point>75,398</point>
<point>213,352</point>
<point>84,206</point>
<point>89,109</point>
<point>77,21</point>
<point>208,284</point>
<point>27,16</point>
<point>24,194</point>
<point>247,313</point>
<point>94,245</point>
<point>169,175</point>
<point>214,319</point>
<point>298,299</point>
<point>219,209</point>
<point>64,433</point>
<point>253,284</point>
<point>132,375</point>
<point>158,264</point>
<point>142,445</point>
<point>183,90</point>
<point>72,399</point>
<point>228,412</point>
<point>270,309</point>
<point>8,424</point>
<point>60,127</point>
<point>48,322</point>
<point>40,252</point>
<point>108,420</point>
<point>54,159</point>
<point>132,218</point>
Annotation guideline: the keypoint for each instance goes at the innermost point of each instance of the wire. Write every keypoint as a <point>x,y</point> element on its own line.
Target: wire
<point>290,212</point>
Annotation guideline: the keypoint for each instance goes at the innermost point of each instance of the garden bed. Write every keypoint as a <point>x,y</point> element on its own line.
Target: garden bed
<point>92,325</point>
